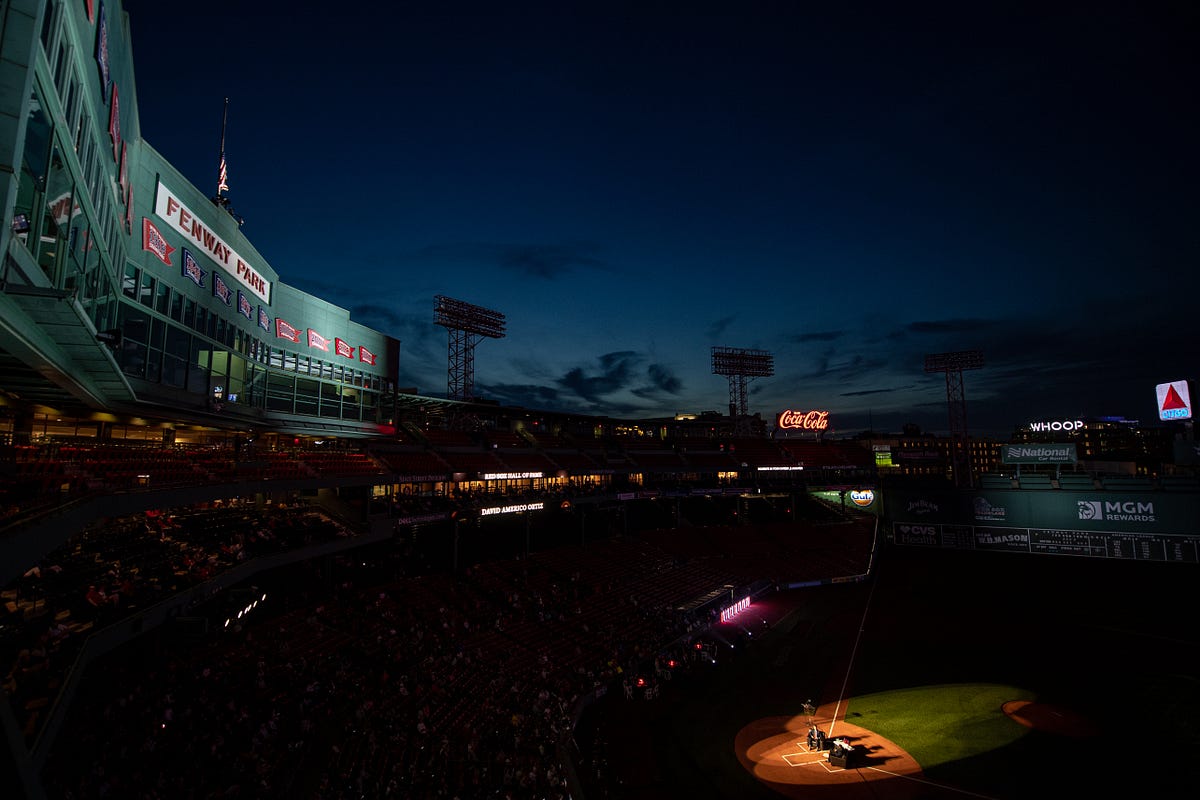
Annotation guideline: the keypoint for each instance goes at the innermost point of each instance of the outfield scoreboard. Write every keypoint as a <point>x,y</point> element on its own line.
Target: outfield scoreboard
<point>1050,541</point>
<point>1147,526</point>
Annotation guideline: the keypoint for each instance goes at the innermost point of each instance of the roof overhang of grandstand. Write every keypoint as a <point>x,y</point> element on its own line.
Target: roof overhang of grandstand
<point>49,353</point>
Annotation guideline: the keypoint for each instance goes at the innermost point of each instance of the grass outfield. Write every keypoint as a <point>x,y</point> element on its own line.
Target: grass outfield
<point>940,725</point>
<point>947,639</point>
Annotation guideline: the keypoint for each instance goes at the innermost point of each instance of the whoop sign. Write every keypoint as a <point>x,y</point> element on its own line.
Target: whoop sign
<point>803,420</point>
<point>1057,425</point>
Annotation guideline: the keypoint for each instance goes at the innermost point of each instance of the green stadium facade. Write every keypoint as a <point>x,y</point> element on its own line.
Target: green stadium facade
<point>127,292</point>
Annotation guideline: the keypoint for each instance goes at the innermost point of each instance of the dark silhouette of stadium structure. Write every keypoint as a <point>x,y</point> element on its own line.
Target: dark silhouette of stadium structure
<point>467,325</point>
<point>953,364</point>
<point>740,366</point>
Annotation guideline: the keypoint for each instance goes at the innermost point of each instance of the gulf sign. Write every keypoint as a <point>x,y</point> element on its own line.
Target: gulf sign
<point>803,420</point>
<point>863,498</point>
<point>1174,400</point>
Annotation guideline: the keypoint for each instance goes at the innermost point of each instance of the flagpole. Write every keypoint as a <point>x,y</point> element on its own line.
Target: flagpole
<point>221,169</point>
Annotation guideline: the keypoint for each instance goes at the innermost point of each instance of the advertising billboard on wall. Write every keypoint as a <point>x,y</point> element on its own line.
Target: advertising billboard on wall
<point>1174,400</point>
<point>1146,526</point>
<point>802,420</point>
<point>1039,453</point>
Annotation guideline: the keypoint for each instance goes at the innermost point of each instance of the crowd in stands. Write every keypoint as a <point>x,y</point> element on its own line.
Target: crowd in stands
<point>428,685</point>
<point>115,569</point>
<point>45,474</point>
<point>41,476</point>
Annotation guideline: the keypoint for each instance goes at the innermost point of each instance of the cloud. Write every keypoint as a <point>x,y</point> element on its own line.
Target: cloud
<point>873,391</point>
<point>817,336</point>
<point>525,395</point>
<point>719,326</point>
<point>381,318</point>
<point>663,378</point>
<point>856,366</point>
<point>616,371</point>
<point>962,325</point>
<point>546,261</point>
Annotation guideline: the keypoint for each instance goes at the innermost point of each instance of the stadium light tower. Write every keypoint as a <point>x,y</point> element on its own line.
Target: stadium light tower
<point>467,325</point>
<point>741,366</point>
<point>953,365</point>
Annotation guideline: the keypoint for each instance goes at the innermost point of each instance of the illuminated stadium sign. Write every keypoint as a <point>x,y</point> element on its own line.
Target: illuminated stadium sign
<point>172,210</point>
<point>514,509</point>
<point>1118,510</point>
<point>862,498</point>
<point>508,476</point>
<point>729,612</point>
<point>1057,425</point>
<point>803,420</point>
<point>1174,400</point>
<point>1039,453</point>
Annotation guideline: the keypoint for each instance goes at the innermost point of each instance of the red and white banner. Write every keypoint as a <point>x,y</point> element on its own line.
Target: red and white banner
<point>366,356</point>
<point>342,349</point>
<point>286,331</point>
<point>317,340</point>
<point>154,242</point>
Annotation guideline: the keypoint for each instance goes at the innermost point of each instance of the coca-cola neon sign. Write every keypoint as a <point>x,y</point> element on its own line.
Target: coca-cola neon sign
<point>804,420</point>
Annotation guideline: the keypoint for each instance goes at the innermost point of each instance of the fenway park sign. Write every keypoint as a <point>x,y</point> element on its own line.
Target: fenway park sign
<point>803,420</point>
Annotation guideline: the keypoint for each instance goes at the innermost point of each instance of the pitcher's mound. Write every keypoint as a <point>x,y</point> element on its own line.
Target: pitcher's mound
<point>1049,718</point>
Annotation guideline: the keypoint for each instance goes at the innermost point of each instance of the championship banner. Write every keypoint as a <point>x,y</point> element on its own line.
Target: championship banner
<point>366,356</point>
<point>244,307</point>
<point>154,242</point>
<point>114,124</point>
<point>264,319</point>
<point>190,268</point>
<point>286,331</point>
<point>221,290</point>
<point>102,60</point>
<point>317,340</point>
<point>342,349</point>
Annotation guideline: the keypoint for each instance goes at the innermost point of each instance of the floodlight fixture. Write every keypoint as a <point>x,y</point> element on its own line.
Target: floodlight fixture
<point>743,362</point>
<point>741,366</point>
<point>960,360</point>
<point>467,324</point>
<point>953,364</point>
<point>460,315</point>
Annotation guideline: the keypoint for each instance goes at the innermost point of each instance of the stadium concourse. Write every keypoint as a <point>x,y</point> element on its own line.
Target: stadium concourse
<point>265,624</point>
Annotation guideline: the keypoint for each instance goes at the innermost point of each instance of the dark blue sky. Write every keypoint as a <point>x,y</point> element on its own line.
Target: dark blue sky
<point>847,186</point>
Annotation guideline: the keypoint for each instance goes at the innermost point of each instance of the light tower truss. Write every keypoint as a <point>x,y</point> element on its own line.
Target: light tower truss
<point>953,365</point>
<point>741,366</point>
<point>467,325</point>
